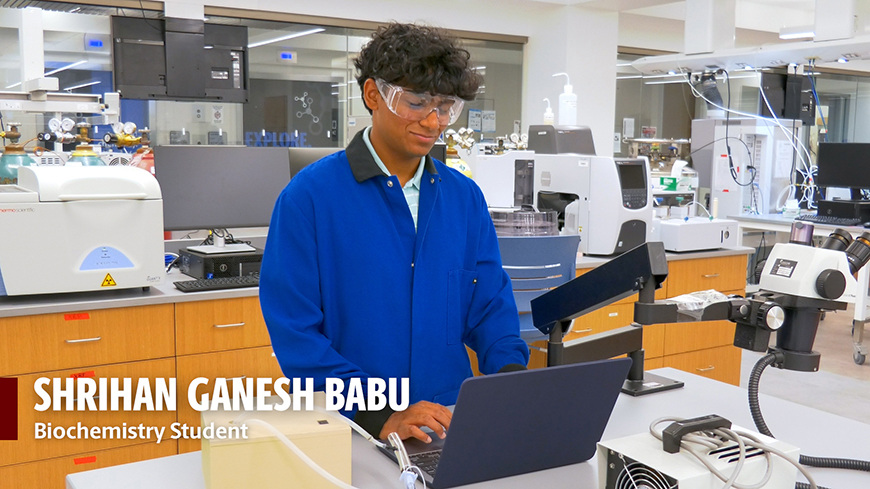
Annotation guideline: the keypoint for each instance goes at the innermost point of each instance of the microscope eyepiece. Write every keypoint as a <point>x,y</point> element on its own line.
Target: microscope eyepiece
<point>858,253</point>
<point>838,240</point>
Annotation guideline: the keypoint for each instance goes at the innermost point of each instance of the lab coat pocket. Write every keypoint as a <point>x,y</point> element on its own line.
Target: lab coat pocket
<point>460,289</point>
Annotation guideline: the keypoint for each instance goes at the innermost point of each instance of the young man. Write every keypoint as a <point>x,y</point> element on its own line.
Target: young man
<point>384,263</point>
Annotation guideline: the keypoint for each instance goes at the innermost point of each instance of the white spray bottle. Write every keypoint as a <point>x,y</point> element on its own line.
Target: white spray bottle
<point>567,103</point>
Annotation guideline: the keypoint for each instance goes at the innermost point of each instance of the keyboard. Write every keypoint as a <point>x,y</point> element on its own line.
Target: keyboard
<point>830,220</point>
<point>221,283</point>
<point>427,461</point>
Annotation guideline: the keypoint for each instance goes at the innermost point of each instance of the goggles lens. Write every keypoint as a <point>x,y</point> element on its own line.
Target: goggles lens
<point>417,106</point>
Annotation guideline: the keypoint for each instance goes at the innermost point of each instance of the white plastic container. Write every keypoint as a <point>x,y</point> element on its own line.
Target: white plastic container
<point>567,104</point>
<point>549,117</point>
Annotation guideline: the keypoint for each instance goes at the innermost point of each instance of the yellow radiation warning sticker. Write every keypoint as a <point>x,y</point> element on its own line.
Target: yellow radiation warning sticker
<point>108,281</point>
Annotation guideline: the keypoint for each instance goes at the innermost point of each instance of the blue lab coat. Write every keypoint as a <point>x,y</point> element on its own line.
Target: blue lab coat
<point>349,289</point>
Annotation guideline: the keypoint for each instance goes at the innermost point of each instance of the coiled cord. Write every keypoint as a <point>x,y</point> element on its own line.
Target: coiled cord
<point>761,426</point>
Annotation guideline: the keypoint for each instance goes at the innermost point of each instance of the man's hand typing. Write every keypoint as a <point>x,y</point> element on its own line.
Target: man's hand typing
<point>407,423</point>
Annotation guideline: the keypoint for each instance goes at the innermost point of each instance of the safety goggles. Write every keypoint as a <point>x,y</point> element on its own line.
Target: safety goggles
<point>417,106</point>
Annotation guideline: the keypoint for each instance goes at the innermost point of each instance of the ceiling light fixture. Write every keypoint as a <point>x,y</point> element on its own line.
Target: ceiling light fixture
<point>83,85</point>
<point>797,32</point>
<point>62,68</point>
<point>285,37</point>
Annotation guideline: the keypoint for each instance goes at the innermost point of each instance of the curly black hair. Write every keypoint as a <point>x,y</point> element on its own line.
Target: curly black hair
<point>421,58</point>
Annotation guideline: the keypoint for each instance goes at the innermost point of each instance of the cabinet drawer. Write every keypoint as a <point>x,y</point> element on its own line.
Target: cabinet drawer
<point>683,337</point>
<point>722,273</point>
<point>604,319</point>
<point>722,363</point>
<point>28,448</point>
<point>249,362</point>
<point>58,341</point>
<point>653,342</point>
<point>226,324</point>
<point>653,363</point>
<point>50,474</point>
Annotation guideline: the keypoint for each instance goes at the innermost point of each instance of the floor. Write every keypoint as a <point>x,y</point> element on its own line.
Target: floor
<point>840,386</point>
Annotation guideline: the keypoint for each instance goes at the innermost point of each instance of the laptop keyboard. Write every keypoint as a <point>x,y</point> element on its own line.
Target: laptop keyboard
<point>427,461</point>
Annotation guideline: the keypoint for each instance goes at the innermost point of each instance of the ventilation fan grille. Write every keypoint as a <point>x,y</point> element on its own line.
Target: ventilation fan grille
<point>625,473</point>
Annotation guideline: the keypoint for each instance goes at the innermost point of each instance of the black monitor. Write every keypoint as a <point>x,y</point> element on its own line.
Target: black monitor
<point>215,187</point>
<point>844,165</point>
<point>302,157</point>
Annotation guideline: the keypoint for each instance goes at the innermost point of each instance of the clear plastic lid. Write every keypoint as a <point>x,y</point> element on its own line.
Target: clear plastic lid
<point>521,222</point>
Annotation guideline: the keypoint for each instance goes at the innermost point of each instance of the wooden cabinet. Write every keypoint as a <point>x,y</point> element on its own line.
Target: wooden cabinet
<point>719,273</point>
<point>123,343</point>
<point>721,363</point>
<point>228,324</point>
<point>51,473</point>
<point>213,338</point>
<point>704,348</point>
<point>220,338</point>
<point>28,448</point>
<point>79,339</point>
<point>248,363</point>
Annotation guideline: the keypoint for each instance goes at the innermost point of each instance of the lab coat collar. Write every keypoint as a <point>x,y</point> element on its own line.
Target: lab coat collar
<point>364,166</point>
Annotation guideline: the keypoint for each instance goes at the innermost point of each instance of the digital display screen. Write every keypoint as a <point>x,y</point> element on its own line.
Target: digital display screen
<point>632,174</point>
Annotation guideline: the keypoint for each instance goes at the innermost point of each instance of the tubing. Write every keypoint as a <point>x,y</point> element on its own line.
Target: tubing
<point>761,426</point>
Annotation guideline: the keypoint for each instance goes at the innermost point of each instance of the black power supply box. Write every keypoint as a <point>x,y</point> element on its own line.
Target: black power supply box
<point>215,265</point>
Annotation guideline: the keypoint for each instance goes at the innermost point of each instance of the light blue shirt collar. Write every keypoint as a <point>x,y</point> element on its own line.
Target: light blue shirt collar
<point>413,182</point>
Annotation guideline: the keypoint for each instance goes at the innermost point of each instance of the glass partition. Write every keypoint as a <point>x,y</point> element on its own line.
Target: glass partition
<point>302,90</point>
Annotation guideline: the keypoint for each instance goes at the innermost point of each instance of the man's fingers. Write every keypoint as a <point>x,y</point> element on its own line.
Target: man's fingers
<point>413,431</point>
<point>407,423</point>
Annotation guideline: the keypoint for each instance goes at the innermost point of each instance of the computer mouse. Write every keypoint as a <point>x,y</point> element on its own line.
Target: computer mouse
<point>866,224</point>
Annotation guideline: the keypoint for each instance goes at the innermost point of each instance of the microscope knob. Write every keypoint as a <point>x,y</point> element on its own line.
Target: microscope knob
<point>830,284</point>
<point>771,315</point>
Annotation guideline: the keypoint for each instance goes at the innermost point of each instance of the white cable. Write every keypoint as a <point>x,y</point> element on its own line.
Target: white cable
<point>743,439</point>
<point>299,453</point>
<point>701,206</point>
<point>783,193</point>
<point>359,429</point>
<point>408,482</point>
<point>784,129</point>
<point>795,143</point>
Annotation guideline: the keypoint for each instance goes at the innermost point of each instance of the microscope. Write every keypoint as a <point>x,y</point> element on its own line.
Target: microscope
<point>798,282</point>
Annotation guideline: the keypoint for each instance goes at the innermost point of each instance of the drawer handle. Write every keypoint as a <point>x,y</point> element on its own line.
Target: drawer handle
<point>232,325</point>
<point>84,340</point>
<point>587,330</point>
<point>707,369</point>
<point>710,275</point>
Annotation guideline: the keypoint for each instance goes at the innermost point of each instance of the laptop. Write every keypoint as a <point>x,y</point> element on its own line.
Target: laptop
<point>519,422</point>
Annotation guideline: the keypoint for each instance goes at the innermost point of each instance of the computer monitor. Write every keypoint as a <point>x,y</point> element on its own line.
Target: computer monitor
<point>215,187</point>
<point>302,157</point>
<point>844,165</point>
